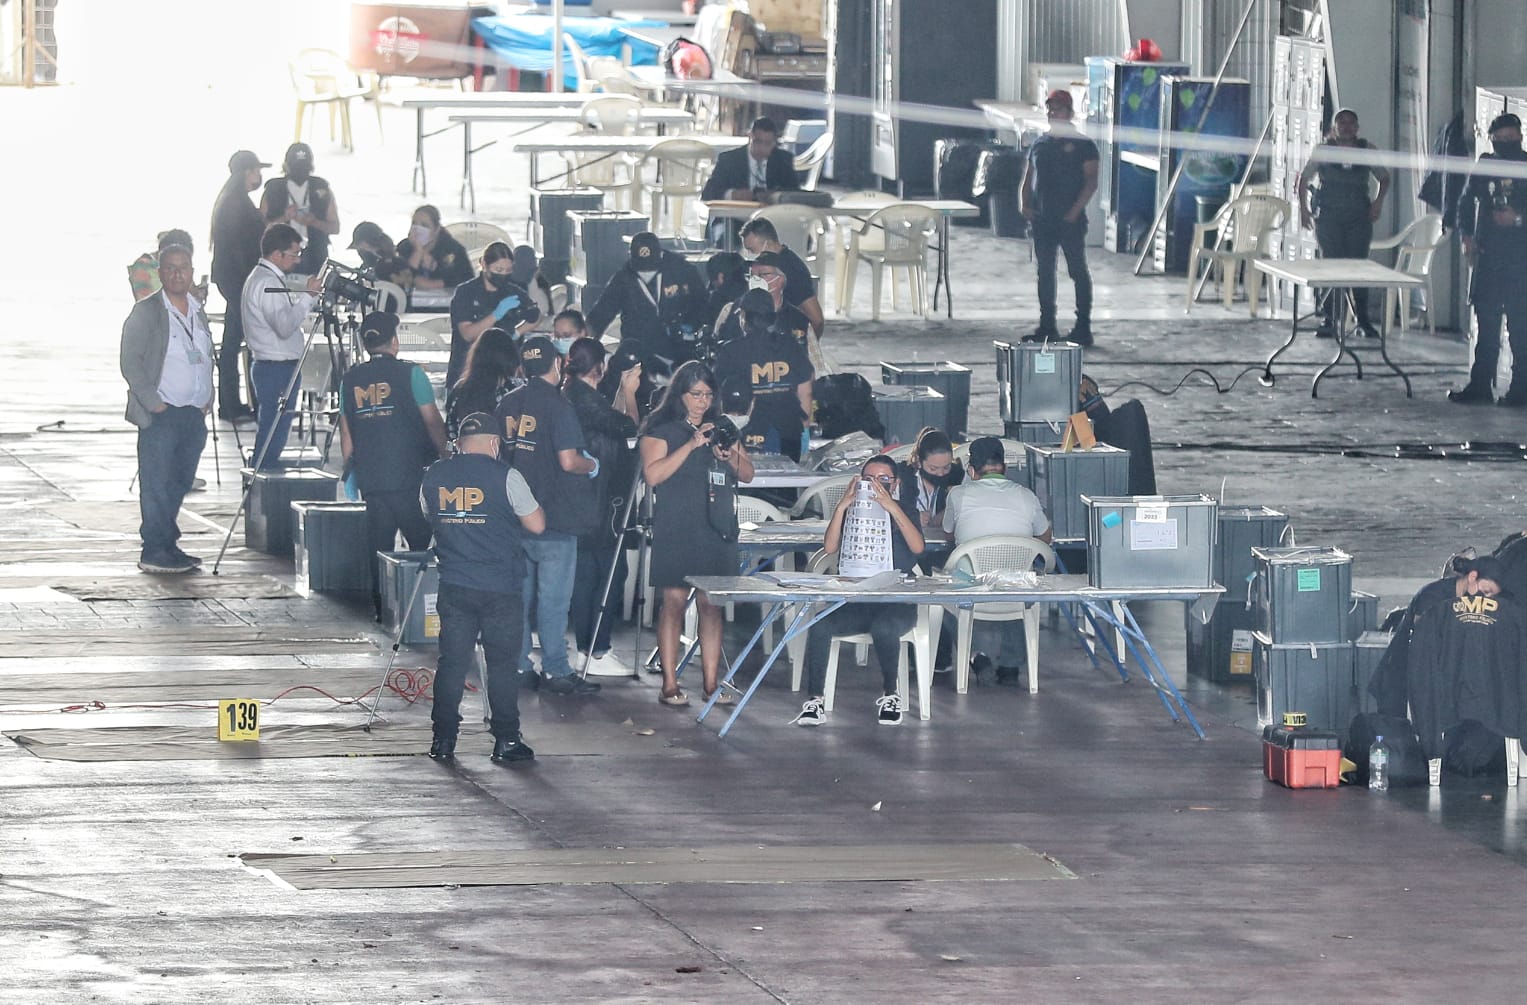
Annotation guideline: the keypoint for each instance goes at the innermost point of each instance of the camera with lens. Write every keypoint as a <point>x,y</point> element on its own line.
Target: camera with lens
<point>723,434</point>
<point>344,285</point>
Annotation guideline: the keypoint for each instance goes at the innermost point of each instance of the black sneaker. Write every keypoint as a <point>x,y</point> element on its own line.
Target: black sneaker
<point>443,748</point>
<point>1044,333</point>
<point>890,709</point>
<point>1081,335</point>
<point>164,563</point>
<point>570,684</point>
<point>1366,330</point>
<point>1471,395</point>
<point>238,413</point>
<point>1325,331</point>
<point>509,749</point>
<point>983,670</point>
<point>189,559</point>
<point>812,713</point>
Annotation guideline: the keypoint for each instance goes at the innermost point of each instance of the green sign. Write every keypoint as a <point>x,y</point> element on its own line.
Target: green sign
<point>1309,580</point>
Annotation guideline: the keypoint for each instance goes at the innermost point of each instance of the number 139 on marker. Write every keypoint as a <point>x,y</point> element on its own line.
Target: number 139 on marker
<point>238,719</point>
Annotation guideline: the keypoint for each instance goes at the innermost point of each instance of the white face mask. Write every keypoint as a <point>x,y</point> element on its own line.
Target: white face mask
<point>647,277</point>
<point>740,421</point>
<point>562,345</point>
<point>419,234</point>
<point>758,283</point>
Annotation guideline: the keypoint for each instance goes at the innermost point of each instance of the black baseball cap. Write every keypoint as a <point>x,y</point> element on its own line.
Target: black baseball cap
<point>366,231</point>
<point>756,301</point>
<point>477,424</point>
<point>537,356</point>
<point>245,160</point>
<point>772,259</point>
<point>645,251</point>
<point>298,152</point>
<point>379,328</point>
<point>1506,121</point>
<point>985,451</point>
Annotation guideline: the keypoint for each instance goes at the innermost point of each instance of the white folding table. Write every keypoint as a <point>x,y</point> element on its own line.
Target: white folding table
<point>611,146</point>
<point>476,101</point>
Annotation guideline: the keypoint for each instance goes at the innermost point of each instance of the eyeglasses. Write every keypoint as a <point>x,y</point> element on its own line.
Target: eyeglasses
<point>886,480</point>
<point>701,395</point>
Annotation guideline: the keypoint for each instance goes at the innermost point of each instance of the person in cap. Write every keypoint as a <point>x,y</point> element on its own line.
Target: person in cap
<point>479,509</point>
<point>492,299</point>
<point>389,432</point>
<point>767,272</point>
<point>658,297</point>
<point>986,504</point>
<point>769,360</point>
<point>1059,177</point>
<point>1342,211</point>
<point>236,230</point>
<point>754,173</point>
<point>166,359</point>
<point>379,254</point>
<point>306,203</point>
<point>541,427</point>
<point>800,291</point>
<point>726,279</point>
<point>273,316</point>
<point>1492,218</point>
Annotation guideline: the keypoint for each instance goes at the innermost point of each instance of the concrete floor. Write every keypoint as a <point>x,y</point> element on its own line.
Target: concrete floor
<point>1194,879</point>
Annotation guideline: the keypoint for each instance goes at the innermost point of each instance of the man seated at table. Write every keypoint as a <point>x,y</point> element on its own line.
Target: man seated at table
<point>876,538</point>
<point>749,174</point>
<point>987,505</point>
<point>759,236</point>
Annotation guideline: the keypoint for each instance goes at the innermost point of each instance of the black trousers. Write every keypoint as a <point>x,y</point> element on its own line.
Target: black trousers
<point>886,623</point>
<point>1500,294</point>
<point>466,616</point>
<point>387,513</point>
<point>1050,236</point>
<point>228,396</point>
<point>1344,237</point>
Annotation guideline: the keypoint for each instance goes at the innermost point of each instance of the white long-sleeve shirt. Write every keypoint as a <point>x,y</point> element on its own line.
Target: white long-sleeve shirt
<point>273,321</point>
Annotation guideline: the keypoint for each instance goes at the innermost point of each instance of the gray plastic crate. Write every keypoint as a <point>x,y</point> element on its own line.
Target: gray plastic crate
<point>1220,651</point>
<point>1060,478</point>
<point>1317,679</point>
<point>1369,649</point>
<point>598,247</point>
<point>950,379</point>
<point>268,517</point>
<point>1302,594</point>
<point>1135,541</point>
<point>553,232</point>
<point>1362,614</point>
<point>1242,528</point>
<point>1037,382</point>
<point>399,571</point>
<point>329,545</point>
<point>904,411</point>
<point>1034,432</point>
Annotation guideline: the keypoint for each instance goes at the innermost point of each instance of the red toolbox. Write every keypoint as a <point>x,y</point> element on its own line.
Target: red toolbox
<point>1300,757</point>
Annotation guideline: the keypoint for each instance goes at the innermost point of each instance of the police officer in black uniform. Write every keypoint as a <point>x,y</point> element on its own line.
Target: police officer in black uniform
<point>1342,213</point>
<point>389,432</point>
<point>1060,175</point>
<point>478,507</point>
<point>1492,217</point>
<point>772,362</point>
<point>660,300</point>
<point>305,201</point>
<point>768,273</point>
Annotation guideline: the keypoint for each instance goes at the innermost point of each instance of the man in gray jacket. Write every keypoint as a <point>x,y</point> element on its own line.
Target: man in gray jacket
<point>167,361</point>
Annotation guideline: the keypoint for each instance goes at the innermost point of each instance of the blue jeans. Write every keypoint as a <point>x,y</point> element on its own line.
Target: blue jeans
<point>169,448</point>
<point>551,560</point>
<point>271,379</point>
<point>467,615</point>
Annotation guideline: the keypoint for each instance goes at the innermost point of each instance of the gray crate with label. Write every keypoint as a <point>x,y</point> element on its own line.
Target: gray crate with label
<point>1302,594</point>
<point>904,411</point>
<point>1038,381</point>
<point>1220,651</point>
<point>1242,528</point>
<point>1369,649</point>
<point>1135,541</point>
<point>1046,433</point>
<point>399,571</point>
<point>598,248</point>
<point>950,379</point>
<point>329,546</point>
<point>1318,679</point>
<point>1061,477</point>
<point>552,231</point>
<point>268,517</point>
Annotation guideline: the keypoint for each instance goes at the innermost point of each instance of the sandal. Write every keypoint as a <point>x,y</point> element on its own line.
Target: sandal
<point>676,700</point>
<point>725,697</point>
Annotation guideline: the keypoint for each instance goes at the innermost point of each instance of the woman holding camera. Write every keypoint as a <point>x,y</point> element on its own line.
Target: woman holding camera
<point>692,533</point>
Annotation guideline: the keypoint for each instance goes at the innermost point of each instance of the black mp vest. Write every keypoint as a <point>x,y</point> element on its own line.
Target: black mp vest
<point>527,414</point>
<point>391,444</point>
<point>477,534</point>
<point>277,198</point>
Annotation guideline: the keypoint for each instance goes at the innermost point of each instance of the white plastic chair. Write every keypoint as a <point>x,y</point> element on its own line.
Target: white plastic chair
<point>321,77</point>
<point>1245,227</point>
<point>431,334</point>
<point>679,169</point>
<point>901,452</point>
<point>915,640</point>
<point>894,238</point>
<point>823,497</point>
<point>802,229</point>
<point>989,554</point>
<point>475,235</point>
<point>578,59</point>
<point>1414,249</point>
<point>393,298</point>
<point>612,115</point>
<point>811,160</point>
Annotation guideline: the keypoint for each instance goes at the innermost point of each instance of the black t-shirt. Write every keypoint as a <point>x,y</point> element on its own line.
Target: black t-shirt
<point>774,365</point>
<point>452,266</point>
<point>472,302</point>
<point>799,284</point>
<point>789,321</point>
<point>1056,161</point>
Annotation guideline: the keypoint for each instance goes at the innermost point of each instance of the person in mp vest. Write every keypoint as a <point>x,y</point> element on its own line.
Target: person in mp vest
<point>659,298</point>
<point>1342,213</point>
<point>542,428</point>
<point>775,366</point>
<point>389,432</point>
<point>304,201</point>
<point>478,509</point>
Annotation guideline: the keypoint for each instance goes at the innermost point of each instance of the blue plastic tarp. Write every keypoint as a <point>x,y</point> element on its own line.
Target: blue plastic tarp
<point>524,40</point>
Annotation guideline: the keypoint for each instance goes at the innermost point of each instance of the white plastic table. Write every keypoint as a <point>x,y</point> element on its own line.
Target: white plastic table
<point>476,101</point>
<point>611,146</point>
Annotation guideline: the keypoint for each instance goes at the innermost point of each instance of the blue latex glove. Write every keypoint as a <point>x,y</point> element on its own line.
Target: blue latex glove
<point>595,472</point>
<point>504,307</point>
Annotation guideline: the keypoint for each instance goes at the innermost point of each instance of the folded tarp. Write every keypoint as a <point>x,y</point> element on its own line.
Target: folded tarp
<point>524,40</point>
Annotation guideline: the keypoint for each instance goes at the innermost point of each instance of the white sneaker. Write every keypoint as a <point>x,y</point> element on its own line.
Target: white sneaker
<point>608,665</point>
<point>890,709</point>
<point>812,713</point>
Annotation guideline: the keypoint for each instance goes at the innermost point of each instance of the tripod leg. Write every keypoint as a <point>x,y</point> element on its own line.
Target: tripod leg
<point>397,641</point>
<point>609,576</point>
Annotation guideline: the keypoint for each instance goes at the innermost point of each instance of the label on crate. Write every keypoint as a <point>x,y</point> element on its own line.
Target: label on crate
<point>1151,512</point>
<point>1044,362</point>
<point>1240,653</point>
<point>238,719</point>
<point>1308,581</point>
<point>431,617</point>
<point>1153,536</point>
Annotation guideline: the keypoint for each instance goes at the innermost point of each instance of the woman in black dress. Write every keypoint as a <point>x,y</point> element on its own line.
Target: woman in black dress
<point>489,374</point>
<point>678,459</point>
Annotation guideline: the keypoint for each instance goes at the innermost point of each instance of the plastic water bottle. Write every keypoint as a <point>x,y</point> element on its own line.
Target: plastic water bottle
<point>1378,766</point>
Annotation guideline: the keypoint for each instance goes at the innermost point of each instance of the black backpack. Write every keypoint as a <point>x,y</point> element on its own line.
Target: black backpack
<point>1407,761</point>
<point>845,404</point>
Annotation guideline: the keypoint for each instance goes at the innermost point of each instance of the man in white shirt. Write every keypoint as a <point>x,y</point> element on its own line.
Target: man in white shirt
<point>273,320</point>
<point>985,505</point>
<point>166,358</point>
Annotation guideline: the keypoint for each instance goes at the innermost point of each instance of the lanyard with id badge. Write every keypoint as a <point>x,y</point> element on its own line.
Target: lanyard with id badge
<point>721,500</point>
<point>194,356</point>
